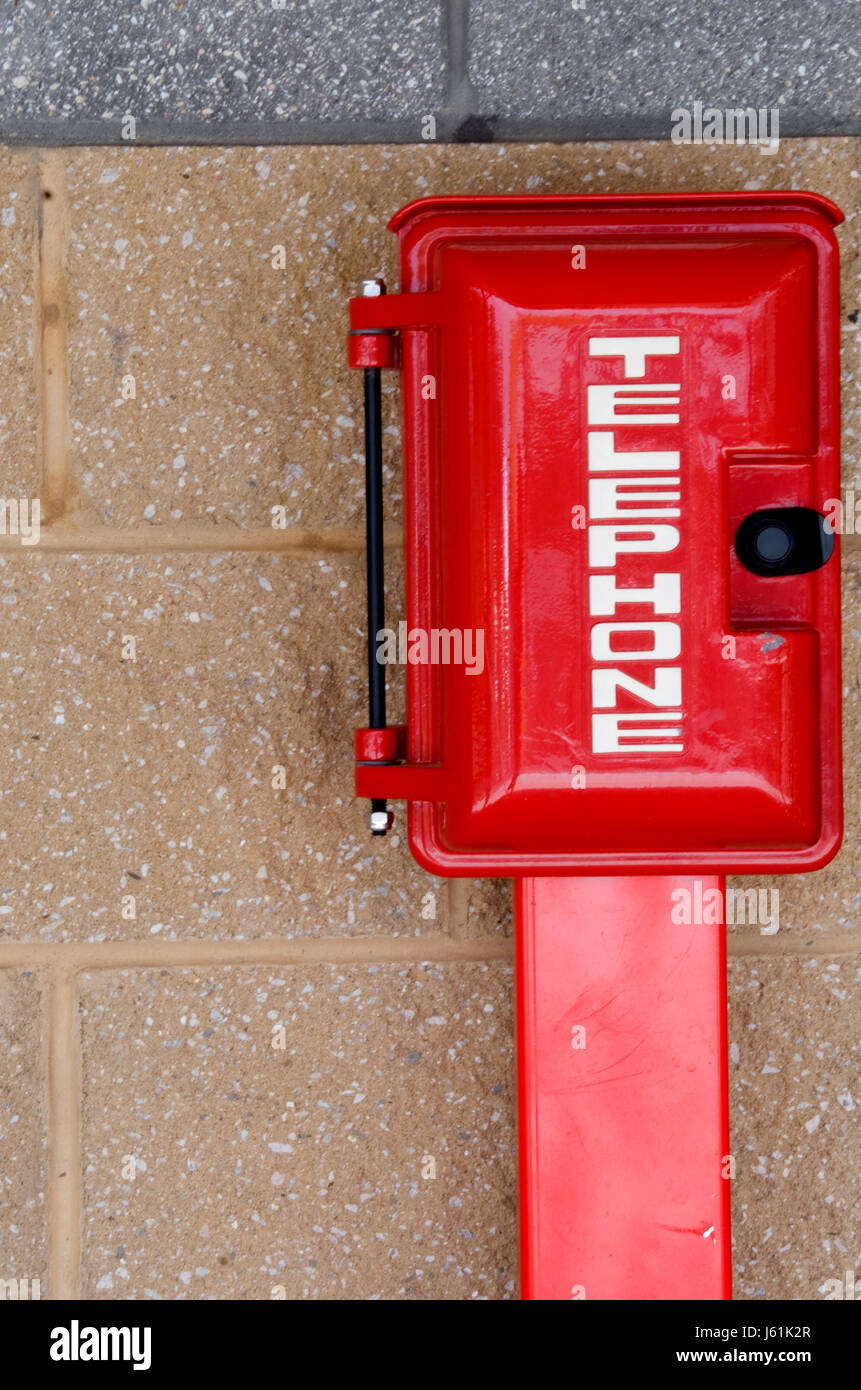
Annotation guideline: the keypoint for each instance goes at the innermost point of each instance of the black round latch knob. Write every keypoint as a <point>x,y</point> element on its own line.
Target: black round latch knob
<point>783,540</point>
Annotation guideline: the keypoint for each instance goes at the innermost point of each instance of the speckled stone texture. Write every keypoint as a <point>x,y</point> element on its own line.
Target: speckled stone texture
<point>215,279</point>
<point>278,71</point>
<point>23,1228</point>
<point>795,1055</point>
<point>163,907</point>
<point>333,1133</point>
<point>19,416</point>
<point>150,769</point>
<point>231,62</point>
<point>629,60</point>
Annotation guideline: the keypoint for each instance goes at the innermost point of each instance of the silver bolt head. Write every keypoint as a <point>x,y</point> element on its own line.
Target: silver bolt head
<point>380,822</point>
<point>372,289</point>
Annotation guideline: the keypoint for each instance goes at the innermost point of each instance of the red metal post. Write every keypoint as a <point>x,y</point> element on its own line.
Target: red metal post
<point>622,1079</point>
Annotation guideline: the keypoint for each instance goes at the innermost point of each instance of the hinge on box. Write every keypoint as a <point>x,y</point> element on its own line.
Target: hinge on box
<point>373,350</point>
<point>372,345</point>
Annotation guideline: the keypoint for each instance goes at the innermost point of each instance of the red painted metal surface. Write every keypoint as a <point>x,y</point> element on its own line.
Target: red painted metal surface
<point>507,434</point>
<point>621,1055</point>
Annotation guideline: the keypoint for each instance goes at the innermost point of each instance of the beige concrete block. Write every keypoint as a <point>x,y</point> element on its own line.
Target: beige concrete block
<point>218,280</point>
<point>795,1101</point>
<point>263,1172</point>
<point>243,397</point>
<point>19,470</point>
<point>481,907</point>
<point>152,778</point>
<point>23,1231</point>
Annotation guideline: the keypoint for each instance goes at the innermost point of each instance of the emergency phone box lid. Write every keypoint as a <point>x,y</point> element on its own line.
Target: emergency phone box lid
<point>598,392</point>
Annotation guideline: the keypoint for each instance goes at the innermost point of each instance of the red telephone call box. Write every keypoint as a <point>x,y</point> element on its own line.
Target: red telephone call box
<point>621,429</point>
